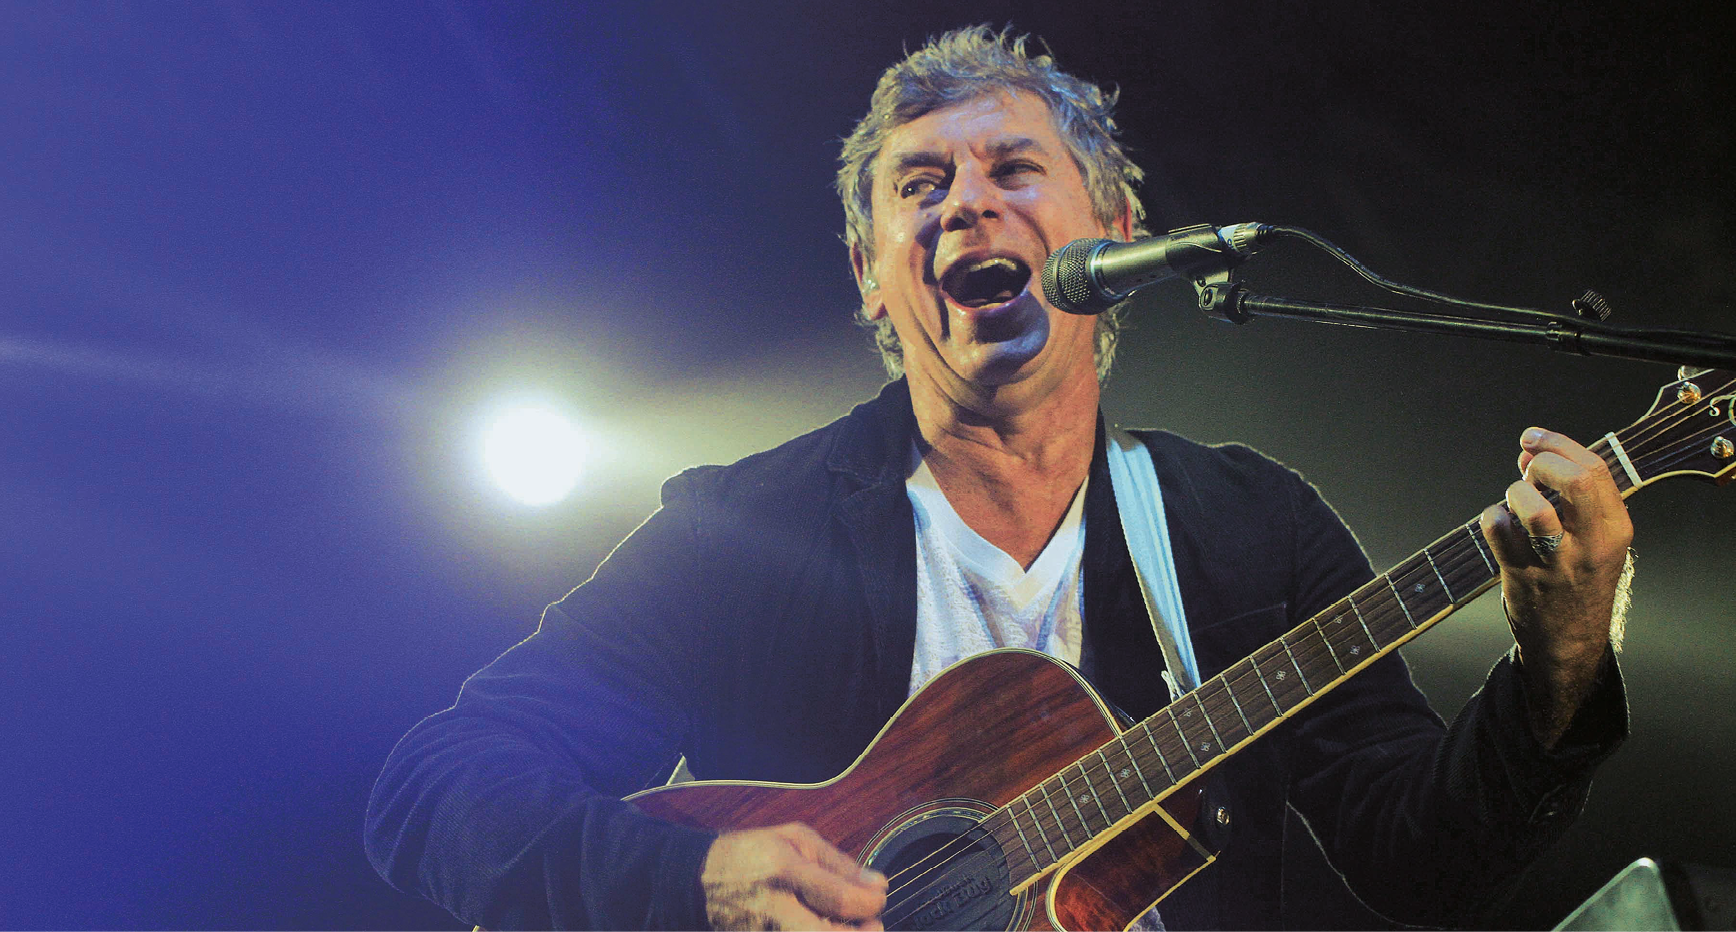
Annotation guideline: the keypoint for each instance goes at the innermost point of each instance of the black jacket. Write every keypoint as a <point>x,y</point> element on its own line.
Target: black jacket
<point>762,623</point>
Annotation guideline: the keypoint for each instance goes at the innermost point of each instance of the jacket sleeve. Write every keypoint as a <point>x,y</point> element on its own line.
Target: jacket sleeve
<point>1430,823</point>
<point>505,808</point>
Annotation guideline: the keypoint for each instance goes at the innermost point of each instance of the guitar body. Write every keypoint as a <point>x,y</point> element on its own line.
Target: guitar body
<point>976,737</point>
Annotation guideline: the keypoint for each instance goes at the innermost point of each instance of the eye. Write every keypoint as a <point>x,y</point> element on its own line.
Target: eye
<point>916,187</point>
<point>1015,169</point>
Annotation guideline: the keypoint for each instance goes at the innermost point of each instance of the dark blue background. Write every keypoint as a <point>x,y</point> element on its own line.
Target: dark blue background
<point>266,266</point>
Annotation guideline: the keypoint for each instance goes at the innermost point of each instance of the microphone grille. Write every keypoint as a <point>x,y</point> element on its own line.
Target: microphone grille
<point>1066,281</point>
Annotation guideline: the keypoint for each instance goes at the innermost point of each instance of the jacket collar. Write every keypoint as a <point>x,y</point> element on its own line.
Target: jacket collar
<point>874,448</point>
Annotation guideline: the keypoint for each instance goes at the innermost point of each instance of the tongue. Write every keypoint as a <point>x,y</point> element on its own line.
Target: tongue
<point>999,297</point>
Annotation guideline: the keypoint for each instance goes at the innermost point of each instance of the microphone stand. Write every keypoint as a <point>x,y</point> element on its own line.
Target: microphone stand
<point>1223,298</point>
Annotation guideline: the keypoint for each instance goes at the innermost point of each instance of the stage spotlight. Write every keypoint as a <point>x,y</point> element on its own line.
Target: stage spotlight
<point>535,453</point>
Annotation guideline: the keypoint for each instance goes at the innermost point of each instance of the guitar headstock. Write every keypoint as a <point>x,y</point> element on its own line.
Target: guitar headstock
<point>1689,431</point>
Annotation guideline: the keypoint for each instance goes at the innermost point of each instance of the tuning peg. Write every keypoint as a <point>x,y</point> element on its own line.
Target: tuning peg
<point>1592,306</point>
<point>1685,373</point>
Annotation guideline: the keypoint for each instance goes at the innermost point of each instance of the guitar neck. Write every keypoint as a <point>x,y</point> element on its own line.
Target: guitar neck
<point>1065,812</point>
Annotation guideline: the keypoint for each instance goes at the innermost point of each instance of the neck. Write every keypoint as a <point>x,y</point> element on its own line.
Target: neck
<point>1041,427</point>
<point>1009,459</point>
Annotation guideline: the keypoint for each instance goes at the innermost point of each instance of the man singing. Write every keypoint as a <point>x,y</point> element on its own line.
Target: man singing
<point>773,614</point>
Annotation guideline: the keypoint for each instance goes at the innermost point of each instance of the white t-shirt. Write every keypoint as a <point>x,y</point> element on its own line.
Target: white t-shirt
<point>972,597</point>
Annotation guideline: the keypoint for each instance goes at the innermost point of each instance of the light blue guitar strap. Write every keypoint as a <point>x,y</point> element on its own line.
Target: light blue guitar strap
<point>1139,498</point>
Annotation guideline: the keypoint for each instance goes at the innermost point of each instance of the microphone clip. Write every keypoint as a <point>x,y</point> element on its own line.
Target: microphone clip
<point>1220,297</point>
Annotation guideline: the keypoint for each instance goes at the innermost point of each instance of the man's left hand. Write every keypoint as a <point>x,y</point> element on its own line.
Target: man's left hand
<point>1560,569</point>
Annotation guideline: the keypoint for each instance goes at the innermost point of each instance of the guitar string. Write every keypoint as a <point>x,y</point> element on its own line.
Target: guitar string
<point>1455,566</point>
<point>904,911</point>
<point>1643,444</point>
<point>1683,451</point>
<point>943,864</point>
<point>1638,449</point>
<point>1684,456</point>
<point>1411,571</point>
<point>1377,614</point>
<point>1686,411</point>
<point>1237,679</point>
<point>948,881</point>
<point>1717,422</point>
<point>1380,608</point>
<point>936,852</point>
<point>1455,561</point>
<point>908,909</point>
<point>1006,812</point>
<point>1665,461</point>
<point>1673,419</point>
<point>1213,696</point>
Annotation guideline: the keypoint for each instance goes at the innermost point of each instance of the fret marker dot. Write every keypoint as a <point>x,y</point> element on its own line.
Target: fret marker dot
<point>1124,772</point>
<point>1280,674</point>
<point>1205,745</point>
<point>1417,588</point>
<point>1355,650</point>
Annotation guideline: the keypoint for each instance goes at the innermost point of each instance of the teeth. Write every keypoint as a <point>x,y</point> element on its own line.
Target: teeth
<point>1001,261</point>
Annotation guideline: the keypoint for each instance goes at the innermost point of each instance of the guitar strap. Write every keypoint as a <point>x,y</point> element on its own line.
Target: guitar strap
<point>1139,499</point>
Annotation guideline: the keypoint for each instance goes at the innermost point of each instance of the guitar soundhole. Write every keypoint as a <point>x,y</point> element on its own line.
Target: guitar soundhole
<point>944,872</point>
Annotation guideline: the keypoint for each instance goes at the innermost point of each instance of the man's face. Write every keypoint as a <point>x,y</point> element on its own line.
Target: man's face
<point>968,203</point>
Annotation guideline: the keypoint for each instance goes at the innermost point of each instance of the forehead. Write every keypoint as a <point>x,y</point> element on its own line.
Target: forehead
<point>984,126</point>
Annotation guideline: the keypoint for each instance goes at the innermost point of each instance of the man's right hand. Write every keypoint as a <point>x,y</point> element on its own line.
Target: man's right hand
<point>788,877</point>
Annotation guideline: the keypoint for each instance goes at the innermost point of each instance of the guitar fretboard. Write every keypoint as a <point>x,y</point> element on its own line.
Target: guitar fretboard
<point>1062,813</point>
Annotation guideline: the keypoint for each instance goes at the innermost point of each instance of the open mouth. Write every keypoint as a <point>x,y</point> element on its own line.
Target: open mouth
<point>987,282</point>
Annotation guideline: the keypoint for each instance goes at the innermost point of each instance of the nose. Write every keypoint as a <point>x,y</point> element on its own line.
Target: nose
<point>973,198</point>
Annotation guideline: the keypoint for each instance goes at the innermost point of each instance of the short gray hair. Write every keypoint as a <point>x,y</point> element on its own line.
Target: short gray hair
<point>962,65</point>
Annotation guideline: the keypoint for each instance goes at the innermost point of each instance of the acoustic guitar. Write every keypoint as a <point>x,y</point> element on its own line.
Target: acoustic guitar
<point>1062,817</point>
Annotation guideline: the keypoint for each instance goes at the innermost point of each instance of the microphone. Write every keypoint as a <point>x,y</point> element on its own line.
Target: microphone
<point>1089,276</point>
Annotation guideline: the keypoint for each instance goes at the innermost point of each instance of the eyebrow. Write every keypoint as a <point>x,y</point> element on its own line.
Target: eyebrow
<point>997,149</point>
<point>1001,148</point>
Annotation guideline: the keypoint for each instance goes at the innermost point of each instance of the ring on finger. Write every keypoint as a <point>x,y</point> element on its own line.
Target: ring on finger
<point>1545,545</point>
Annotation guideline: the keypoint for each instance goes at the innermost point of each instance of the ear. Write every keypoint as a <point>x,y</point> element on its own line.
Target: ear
<point>1123,226</point>
<point>866,283</point>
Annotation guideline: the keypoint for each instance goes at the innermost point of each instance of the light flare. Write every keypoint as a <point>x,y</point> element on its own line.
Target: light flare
<point>535,453</point>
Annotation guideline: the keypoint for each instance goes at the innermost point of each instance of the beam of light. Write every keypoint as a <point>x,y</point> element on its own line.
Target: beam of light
<point>535,453</point>
<point>287,377</point>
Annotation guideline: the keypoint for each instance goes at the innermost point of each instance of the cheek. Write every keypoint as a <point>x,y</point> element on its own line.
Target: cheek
<point>1067,218</point>
<point>891,242</point>
<point>903,258</point>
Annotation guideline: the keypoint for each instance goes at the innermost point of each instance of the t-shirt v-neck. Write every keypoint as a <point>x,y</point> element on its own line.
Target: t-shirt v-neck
<point>971,596</point>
